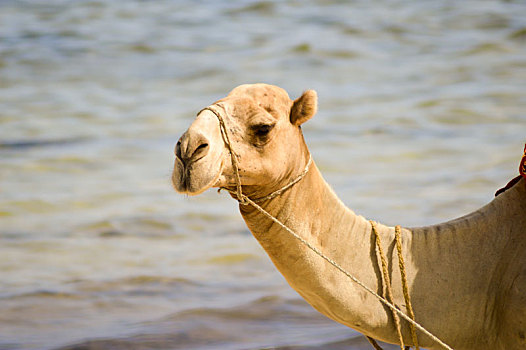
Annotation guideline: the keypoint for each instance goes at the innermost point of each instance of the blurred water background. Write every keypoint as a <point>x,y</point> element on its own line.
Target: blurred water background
<point>422,116</point>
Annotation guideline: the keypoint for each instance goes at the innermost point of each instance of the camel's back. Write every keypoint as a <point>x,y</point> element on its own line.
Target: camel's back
<point>510,308</point>
<point>479,263</point>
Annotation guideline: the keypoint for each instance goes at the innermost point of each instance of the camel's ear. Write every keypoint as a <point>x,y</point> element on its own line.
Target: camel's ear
<point>304,107</point>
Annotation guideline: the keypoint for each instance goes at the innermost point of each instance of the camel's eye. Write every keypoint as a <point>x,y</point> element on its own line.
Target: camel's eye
<point>261,130</point>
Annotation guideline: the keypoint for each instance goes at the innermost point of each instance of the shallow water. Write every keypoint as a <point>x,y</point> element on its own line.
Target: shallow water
<point>422,117</point>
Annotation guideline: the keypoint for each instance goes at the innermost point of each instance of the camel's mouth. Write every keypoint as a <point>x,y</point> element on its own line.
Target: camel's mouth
<point>195,177</point>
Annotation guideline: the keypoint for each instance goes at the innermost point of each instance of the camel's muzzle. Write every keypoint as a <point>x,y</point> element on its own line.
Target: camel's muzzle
<point>198,157</point>
<point>191,148</point>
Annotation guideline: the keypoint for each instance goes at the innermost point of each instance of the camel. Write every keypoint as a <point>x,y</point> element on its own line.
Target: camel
<point>466,277</point>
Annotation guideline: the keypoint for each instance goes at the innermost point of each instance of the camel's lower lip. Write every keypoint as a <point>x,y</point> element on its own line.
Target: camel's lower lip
<point>194,178</point>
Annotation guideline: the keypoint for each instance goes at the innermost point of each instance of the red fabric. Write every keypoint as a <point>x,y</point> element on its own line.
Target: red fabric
<point>522,171</point>
<point>522,167</point>
<point>508,186</point>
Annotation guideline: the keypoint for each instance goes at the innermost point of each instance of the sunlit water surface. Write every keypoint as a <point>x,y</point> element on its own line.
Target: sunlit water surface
<point>421,118</point>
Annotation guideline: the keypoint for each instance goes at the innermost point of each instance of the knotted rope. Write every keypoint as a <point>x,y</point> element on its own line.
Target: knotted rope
<point>373,343</point>
<point>244,200</point>
<point>408,306</point>
<point>387,283</point>
<point>385,272</point>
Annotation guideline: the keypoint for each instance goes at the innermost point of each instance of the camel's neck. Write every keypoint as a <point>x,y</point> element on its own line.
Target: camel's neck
<point>432,256</point>
<point>314,212</point>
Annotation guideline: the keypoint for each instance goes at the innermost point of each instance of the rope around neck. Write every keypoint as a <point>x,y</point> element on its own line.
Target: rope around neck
<point>407,297</point>
<point>387,283</point>
<point>289,185</point>
<point>242,199</point>
<point>277,192</point>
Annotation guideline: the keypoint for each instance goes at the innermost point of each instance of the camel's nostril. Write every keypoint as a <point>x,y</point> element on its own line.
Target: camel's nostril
<point>200,151</point>
<point>178,150</point>
<point>191,147</point>
<point>201,147</point>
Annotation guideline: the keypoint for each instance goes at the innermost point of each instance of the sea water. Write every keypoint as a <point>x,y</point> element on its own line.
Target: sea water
<point>421,119</point>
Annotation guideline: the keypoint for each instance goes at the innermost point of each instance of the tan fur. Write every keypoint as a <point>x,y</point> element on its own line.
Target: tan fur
<point>467,277</point>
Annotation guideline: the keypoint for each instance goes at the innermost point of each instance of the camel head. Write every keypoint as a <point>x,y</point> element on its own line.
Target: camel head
<point>263,125</point>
